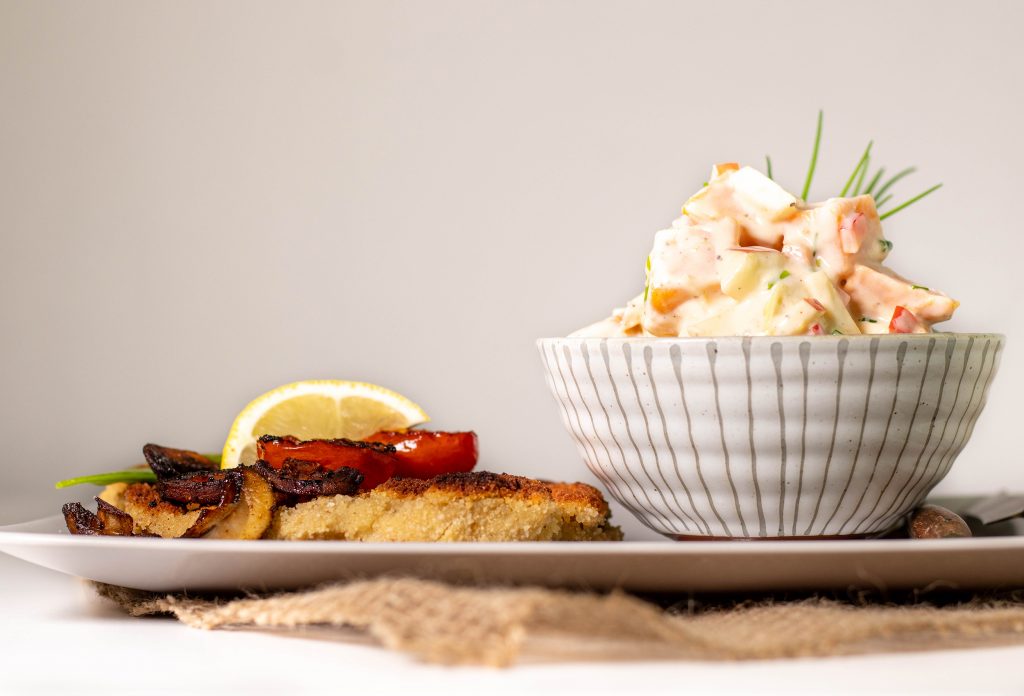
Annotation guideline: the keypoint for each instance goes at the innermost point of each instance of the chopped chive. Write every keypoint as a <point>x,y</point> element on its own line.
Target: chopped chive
<point>768,161</point>
<point>874,181</point>
<point>860,177</point>
<point>783,275</point>
<point>870,321</point>
<point>705,184</point>
<point>837,332</point>
<point>919,287</point>
<point>886,245</point>
<point>647,279</point>
<point>814,157</point>
<point>879,204</point>
<point>896,177</point>
<point>856,170</point>
<point>913,200</point>
<point>131,476</point>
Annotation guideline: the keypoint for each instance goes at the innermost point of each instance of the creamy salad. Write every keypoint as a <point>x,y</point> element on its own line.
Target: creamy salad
<point>747,258</point>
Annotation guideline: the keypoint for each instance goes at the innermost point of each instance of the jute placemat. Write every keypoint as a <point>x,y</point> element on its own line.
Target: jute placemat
<point>499,625</point>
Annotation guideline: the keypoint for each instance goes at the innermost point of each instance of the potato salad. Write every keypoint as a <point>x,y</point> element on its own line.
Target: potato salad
<point>748,258</point>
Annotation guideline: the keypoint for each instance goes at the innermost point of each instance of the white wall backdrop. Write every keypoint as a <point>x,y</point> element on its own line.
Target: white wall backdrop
<point>200,201</point>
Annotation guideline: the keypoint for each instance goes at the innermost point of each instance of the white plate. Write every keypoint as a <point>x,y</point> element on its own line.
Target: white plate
<point>207,564</point>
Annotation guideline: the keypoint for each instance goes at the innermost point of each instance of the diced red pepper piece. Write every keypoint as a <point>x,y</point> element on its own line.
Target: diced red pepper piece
<point>816,330</point>
<point>904,321</point>
<point>424,454</point>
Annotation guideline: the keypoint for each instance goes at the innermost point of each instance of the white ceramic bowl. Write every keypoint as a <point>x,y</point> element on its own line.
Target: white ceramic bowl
<point>771,437</point>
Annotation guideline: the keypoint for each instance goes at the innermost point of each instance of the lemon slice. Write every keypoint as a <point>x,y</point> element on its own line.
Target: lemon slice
<point>320,408</point>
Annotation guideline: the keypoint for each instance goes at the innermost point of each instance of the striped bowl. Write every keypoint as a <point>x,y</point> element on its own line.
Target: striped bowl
<point>771,437</point>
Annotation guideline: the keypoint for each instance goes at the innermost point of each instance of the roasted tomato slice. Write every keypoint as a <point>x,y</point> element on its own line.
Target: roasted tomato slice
<point>425,454</point>
<point>375,461</point>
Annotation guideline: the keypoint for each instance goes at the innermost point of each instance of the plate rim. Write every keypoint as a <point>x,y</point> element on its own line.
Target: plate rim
<point>28,534</point>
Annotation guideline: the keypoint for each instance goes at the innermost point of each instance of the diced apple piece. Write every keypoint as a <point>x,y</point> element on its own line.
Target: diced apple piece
<point>820,288</point>
<point>762,196</point>
<point>743,319</point>
<point>744,270</point>
<point>788,312</point>
<point>876,293</point>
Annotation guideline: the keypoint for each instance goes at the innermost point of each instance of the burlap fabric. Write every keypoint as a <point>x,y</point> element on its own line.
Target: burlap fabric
<point>500,625</point>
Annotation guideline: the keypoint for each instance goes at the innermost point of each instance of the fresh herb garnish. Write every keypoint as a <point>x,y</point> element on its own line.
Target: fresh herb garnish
<point>782,276</point>
<point>870,321</point>
<point>860,177</point>
<point>913,200</point>
<point>874,181</point>
<point>861,163</point>
<point>855,183</point>
<point>814,157</point>
<point>130,476</point>
<point>886,245</point>
<point>896,177</point>
<point>138,475</point>
<point>837,332</point>
<point>919,287</point>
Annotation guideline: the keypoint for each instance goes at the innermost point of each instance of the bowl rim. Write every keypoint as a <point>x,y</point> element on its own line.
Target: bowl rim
<point>762,339</point>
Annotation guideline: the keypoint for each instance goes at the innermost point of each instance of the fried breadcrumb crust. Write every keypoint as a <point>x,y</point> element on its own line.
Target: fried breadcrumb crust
<point>474,506</point>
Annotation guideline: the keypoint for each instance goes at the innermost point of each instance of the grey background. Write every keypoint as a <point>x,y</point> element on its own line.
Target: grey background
<point>201,201</point>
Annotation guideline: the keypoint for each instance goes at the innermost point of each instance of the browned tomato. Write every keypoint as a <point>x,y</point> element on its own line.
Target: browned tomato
<point>375,461</point>
<point>425,454</point>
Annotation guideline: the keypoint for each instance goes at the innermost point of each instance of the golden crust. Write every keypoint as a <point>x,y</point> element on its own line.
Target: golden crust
<point>477,484</point>
<point>474,506</point>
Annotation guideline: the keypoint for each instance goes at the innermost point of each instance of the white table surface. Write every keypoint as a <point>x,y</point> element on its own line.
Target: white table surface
<point>55,635</point>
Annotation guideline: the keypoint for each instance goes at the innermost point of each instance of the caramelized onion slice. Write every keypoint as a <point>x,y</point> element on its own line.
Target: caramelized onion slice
<point>167,462</point>
<point>254,511</point>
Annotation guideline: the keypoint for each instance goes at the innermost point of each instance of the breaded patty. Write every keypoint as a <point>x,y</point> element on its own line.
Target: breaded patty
<point>474,506</point>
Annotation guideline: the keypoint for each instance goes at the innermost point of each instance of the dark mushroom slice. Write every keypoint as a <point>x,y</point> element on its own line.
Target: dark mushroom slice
<point>81,521</point>
<point>167,462</point>
<point>107,520</point>
<point>115,522</point>
<point>299,480</point>
<point>202,488</point>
